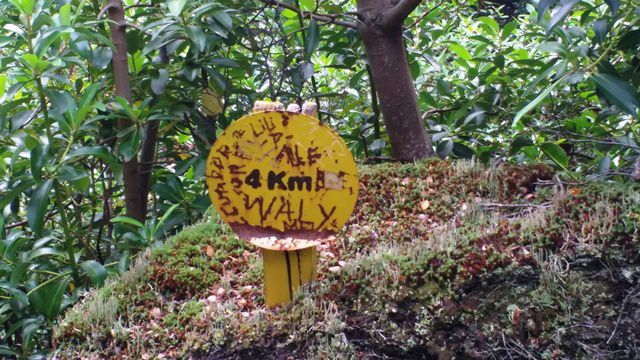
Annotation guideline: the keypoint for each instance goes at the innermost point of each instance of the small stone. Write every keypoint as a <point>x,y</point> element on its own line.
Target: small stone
<point>335,269</point>
<point>221,292</point>
<point>342,263</point>
<point>294,108</point>
<point>242,303</point>
<point>212,298</point>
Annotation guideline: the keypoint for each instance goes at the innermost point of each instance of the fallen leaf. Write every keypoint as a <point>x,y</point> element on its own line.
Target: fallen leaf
<point>574,191</point>
<point>210,251</point>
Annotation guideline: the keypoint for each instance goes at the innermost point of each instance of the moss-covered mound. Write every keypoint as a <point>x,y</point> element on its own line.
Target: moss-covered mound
<point>440,260</point>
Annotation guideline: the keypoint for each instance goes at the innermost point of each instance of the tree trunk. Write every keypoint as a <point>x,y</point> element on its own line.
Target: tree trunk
<point>381,31</point>
<point>132,198</point>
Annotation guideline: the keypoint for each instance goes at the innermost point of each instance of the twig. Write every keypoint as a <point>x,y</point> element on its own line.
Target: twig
<point>428,113</point>
<point>324,18</point>
<point>496,205</point>
<point>104,10</point>
<point>624,303</point>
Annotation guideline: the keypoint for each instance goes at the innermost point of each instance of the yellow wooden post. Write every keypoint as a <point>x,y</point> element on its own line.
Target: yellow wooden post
<point>285,272</point>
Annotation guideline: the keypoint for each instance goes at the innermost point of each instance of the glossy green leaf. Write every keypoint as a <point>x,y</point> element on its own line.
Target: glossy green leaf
<point>312,39</point>
<point>129,143</point>
<point>45,251</point>
<point>490,25</point>
<point>461,51</point>
<point>98,151</point>
<point>47,299</point>
<point>38,206</point>
<point>224,19</point>
<point>65,14</point>
<point>559,15</point>
<point>126,220</point>
<point>37,158</point>
<point>95,271</point>
<point>175,7</point>
<point>16,190</point>
<point>15,293</point>
<point>604,165</point>
<point>556,153</point>
<point>614,5</point>
<point>600,30</point>
<point>618,92</point>
<point>630,40</point>
<point>543,6</point>
<point>531,105</point>
<point>160,81</point>
<point>197,37</point>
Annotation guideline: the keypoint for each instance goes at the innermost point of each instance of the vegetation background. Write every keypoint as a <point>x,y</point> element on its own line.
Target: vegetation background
<point>103,150</point>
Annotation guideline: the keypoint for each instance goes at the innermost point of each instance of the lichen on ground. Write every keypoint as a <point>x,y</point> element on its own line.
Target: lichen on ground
<point>439,260</point>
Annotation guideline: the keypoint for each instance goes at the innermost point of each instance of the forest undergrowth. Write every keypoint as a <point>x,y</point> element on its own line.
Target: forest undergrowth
<point>440,259</point>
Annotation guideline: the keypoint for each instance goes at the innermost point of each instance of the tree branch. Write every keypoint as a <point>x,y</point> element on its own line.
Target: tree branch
<point>398,13</point>
<point>323,18</point>
<point>426,13</point>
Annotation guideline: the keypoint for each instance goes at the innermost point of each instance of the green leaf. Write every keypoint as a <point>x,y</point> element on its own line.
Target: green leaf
<point>38,206</point>
<point>491,25</point>
<point>15,191</point>
<point>37,161</point>
<point>15,293</point>
<point>175,7</point>
<point>71,173</point>
<point>312,39</point>
<point>604,165</point>
<point>197,37</point>
<point>167,192</point>
<point>24,6</point>
<point>224,19</point>
<point>614,5</point>
<point>3,84</point>
<point>543,5</point>
<point>535,101</point>
<point>461,51</point>
<point>96,272</point>
<point>160,81</point>
<point>98,151</point>
<point>45,251</point>
<point>129,142</point>
<point>518,143</point>
<point>444,148</point>
<point>508,29</point>
<point>630,40</point>
<point>618,92</point>
<point>556,153</point>
<point>127,220</point>
<point>600,30</point>
<point>47,299</point>
<point>560,14</point>
<point>65,14</point>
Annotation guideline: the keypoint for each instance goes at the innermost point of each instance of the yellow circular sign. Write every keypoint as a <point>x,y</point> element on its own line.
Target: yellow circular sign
<point>282,180</point>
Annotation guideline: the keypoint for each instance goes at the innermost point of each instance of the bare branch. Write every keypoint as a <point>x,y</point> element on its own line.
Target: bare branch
<point>398,13</point>
<point>104,10</point>
<point>323,18</point>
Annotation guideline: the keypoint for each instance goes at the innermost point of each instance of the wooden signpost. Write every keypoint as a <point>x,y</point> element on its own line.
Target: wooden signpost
<point>284,182</point>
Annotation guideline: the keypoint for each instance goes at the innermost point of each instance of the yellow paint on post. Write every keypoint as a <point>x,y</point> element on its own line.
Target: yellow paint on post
<point>281,180</point>
<point>284,182</point>
<point>285,272</point>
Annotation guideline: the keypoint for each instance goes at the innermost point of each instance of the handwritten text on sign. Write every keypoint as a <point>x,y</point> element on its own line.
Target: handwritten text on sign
<point>283,175</point>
